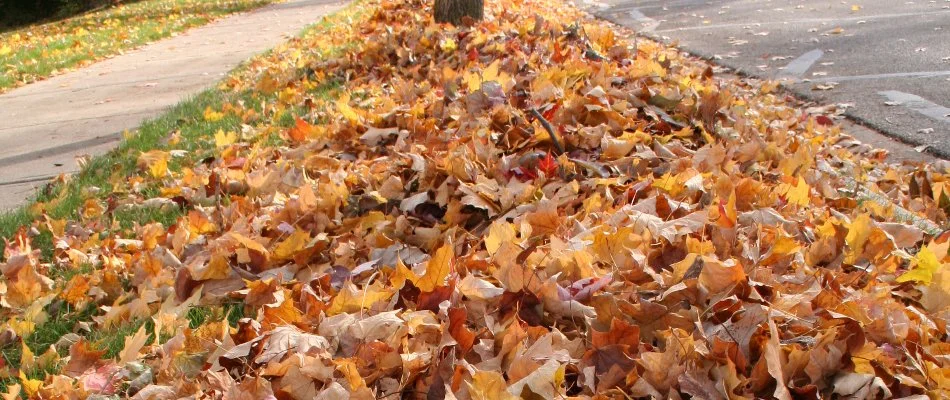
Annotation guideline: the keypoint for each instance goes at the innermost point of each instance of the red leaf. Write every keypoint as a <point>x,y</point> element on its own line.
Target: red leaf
<point>464,336</point>
<point>299,131</point>
<point>824,120</point>
<point>549,114</point>
<point>548,165</point>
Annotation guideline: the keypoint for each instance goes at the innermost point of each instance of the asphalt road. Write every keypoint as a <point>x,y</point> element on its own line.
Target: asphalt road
<point>886,61</point>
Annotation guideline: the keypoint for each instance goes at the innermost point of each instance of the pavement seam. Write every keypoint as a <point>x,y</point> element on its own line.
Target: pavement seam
<point>57,150</point>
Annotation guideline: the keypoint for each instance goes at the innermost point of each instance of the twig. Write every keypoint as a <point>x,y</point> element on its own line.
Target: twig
<point>547,126</point>
<point>901,214</point>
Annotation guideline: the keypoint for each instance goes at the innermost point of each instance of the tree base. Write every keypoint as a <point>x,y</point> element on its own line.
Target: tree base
<point>453,11</point>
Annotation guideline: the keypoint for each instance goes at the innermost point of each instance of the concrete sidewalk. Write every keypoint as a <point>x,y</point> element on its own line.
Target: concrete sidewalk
<point>887,61</point>
<point>46,125</point>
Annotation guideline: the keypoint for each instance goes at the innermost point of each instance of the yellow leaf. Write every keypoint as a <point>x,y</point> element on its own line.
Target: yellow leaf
<point>247,242</point>
<point>281,314</point>
<point>491,73</point>
<point>350,299</point>
<point>795,194</point>
<point>20,327</point>
<point>290,246</point>
<point>512,275</point>
<point>448,45</point>
<point>347,367</point>
<point>489,385</point>
<point>668,183</point>
<point>222,138</point>
<point>5,50</point>
<point>133,344</point>
<point>75,291</point>
<point>212,116</point>
<point>472,81</point>
<point>437,269</point>
<point>925,264</point>
<point>402,273</point>
<point>499,232</point>
<point>855,7</point>
<point>155,162</point>
<point>785,245</point>
<point>348,112</point>
<point>858,233</point>
<point>27,359</point>
<point>31,386</point>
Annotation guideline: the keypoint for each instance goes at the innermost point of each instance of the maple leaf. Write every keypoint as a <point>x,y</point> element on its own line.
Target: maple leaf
<point>222,139</point>
<point>82,357</point>
<point>548,165</point>
<point>795,191</point>
<point>291,245</point>
<point>351,299</point>
<point>133,344</point>
<point>464,336</point>
<point>155,162</point>
<point>681,251</point>
<point>858,233</point>
<point>301,130</point>
<point>12,393</point>
<point>489,385</point>
<point>925,264</point>
<point>499,232</point>
<point>212,115</point>
<point>343,106</point>
<point>30,386</point>
<point>437,269</point>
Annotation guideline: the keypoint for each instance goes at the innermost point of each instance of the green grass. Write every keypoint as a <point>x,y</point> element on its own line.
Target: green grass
<point>232,312</point>
<point>69,197</point>
<point>112,340</point>
<point>128,218</point>
<point>61,321</point>
<point>65,200</point>
<point>38,51</point>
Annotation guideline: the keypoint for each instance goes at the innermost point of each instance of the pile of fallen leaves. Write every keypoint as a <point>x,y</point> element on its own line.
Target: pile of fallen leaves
<point>532,206</point>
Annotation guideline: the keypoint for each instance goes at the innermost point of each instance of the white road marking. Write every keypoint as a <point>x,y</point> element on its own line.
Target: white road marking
<point>667,4</point>
<point>797,68</point>
<point>804,21</point>
<point>919,104</point>
<point>923,74</point>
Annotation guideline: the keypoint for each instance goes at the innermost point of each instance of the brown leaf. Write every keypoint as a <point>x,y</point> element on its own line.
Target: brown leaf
<point>82,357</point>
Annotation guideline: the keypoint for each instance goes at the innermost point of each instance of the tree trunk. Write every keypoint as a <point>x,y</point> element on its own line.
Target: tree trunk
<point>452,11</point>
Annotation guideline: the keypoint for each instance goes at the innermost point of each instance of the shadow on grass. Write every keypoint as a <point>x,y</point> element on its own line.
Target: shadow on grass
<point>18,13</point>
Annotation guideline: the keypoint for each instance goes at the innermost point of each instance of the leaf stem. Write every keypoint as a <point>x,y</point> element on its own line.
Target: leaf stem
<point>547,126</point>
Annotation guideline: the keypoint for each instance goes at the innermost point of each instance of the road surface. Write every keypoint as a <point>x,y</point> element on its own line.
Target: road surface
<point>886,61</point>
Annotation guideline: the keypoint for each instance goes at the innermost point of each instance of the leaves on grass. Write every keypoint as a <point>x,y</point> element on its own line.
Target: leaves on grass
<point>38,51</point>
